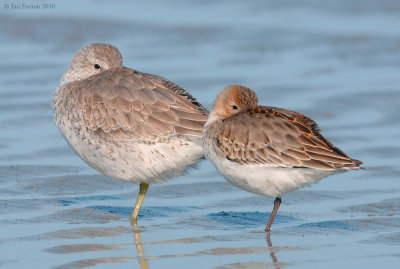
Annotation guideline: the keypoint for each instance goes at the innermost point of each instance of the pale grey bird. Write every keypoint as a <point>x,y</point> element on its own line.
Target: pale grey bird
<point>128,125</point>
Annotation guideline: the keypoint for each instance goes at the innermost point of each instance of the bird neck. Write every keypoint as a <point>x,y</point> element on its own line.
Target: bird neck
<point>213,117</point>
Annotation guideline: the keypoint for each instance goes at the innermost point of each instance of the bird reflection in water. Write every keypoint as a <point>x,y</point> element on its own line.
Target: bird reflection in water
<point>144,264</point>
<point>271,250</point>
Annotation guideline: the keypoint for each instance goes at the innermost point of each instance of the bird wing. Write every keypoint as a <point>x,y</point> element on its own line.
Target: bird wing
<point>278,137</point>
<point>178,90</point>
<point>129,104</point>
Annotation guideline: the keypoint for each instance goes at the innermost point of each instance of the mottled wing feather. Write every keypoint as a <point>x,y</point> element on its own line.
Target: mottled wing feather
<point>278,137</point>
<point>178,90</point>
<point>128,104</point>
<point>310,124</point>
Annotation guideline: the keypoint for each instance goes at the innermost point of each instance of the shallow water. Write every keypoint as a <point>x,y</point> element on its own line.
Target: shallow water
<point>337,62</point>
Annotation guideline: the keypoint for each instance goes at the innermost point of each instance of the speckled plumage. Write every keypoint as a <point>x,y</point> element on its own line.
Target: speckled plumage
<point>126,124</point>
<point>267,150</point>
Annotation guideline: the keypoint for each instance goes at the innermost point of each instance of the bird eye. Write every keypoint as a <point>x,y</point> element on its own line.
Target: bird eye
<point>235,107</point>
<point>97,66</point>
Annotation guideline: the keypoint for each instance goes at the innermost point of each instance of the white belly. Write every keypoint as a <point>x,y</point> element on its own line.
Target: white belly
<point>259,178</point>
<point>270,181</point>
<point>133,160</point>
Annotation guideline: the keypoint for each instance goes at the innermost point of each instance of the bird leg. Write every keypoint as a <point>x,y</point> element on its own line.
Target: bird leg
<point>277,203</point>
<point>139,201</point>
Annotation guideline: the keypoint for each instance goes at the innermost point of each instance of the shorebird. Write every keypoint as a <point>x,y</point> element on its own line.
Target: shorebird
<point>267,150</point>
<point>128,125</point>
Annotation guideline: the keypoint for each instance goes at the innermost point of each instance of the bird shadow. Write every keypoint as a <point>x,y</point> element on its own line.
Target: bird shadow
<point>250,219</point>
<point>145,212</point>
<point>332,224</point>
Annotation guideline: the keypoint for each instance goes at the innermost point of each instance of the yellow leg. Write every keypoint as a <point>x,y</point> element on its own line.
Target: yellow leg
<point>139,201</point>
<point>144,264</point>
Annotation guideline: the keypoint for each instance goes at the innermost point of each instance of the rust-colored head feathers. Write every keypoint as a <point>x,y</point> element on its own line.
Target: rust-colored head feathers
<point>232,100</point>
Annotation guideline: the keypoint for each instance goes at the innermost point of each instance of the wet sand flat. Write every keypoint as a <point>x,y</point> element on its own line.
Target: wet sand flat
<point>337,62</point>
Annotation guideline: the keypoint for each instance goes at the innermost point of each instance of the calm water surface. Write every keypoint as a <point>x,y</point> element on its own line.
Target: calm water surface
<point>337,62</point>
